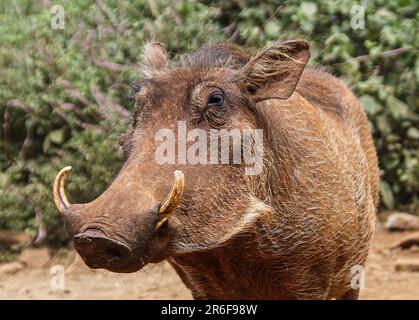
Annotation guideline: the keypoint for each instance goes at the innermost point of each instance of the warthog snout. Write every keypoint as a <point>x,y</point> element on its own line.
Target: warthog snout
<point>100,251</point>
<point>115,232</point>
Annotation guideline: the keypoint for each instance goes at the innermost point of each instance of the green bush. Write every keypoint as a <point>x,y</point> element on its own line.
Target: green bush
<point>64,94</point>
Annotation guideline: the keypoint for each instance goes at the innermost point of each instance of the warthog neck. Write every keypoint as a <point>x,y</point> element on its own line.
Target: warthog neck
<point>216,276</point>
<point>225,273</point>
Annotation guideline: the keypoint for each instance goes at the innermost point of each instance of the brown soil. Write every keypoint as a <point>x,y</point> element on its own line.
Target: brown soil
<point>161,282</point>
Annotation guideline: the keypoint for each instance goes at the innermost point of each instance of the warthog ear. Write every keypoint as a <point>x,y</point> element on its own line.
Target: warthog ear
<point>154,58</point>
<point>274,72</point>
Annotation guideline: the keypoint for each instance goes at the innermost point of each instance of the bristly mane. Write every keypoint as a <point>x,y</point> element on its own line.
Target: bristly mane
<point>217,55</point>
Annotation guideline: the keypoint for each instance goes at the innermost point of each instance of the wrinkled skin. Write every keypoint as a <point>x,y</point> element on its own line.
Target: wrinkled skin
<point>294,231</point>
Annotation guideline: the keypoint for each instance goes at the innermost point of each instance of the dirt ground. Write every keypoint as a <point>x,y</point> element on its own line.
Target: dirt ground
<point>382,281</point>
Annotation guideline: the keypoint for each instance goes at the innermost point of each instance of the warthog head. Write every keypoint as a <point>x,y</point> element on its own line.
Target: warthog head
<point>155,209</point>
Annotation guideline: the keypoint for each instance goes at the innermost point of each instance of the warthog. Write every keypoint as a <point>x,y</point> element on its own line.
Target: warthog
<point>299,229</point>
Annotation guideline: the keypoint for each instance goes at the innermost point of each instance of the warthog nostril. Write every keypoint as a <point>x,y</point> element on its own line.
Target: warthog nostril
<point>115,253</point>
<point>100,251</point>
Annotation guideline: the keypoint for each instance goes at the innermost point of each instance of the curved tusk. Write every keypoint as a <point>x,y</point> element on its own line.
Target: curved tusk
<point>58,191</point>
<point>172,201</point>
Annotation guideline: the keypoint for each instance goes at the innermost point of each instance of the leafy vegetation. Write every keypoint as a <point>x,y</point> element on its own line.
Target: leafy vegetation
<point>64,93</point>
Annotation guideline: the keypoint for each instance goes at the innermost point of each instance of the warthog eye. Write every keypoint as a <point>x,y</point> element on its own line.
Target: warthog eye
<point>215,99</point>
<point>216,111</point>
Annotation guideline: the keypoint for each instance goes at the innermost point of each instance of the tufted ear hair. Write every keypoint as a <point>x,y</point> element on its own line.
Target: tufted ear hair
<point>154,58</point>
<point>274,72</point>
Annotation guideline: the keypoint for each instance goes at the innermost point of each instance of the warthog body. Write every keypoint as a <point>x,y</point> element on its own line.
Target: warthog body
<point>300,229</point>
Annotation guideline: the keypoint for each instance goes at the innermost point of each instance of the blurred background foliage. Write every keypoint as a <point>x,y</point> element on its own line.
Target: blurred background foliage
<point>65,94</point>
